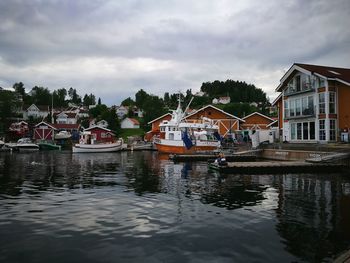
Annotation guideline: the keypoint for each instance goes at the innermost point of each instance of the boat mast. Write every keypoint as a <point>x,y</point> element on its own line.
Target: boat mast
<point>52,108</point>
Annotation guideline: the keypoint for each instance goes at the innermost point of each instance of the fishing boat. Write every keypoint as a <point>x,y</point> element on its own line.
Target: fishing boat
<point>48,146</point>
<point>97,139</point>
<point>179,136</point>
<point>25,144</point>
<point>63,135</point>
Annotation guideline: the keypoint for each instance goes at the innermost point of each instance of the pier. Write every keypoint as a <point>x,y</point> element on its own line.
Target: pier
<point>269,167</point>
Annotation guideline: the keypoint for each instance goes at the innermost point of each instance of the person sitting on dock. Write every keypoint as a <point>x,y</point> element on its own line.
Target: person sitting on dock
<point>221,160</point>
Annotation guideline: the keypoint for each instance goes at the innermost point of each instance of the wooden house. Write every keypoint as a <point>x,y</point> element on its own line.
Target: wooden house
<point>102,135</point>
<point>227,122</point>
<point>130,123</point>
<point>257,121</point>
<point>155,126</point>
<point>313,104</point>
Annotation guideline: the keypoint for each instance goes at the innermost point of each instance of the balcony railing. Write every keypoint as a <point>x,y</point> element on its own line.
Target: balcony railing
<point>292,91</point>
<point>305,113</point>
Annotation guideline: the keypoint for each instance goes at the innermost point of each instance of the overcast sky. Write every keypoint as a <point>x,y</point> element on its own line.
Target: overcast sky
<point>114,48</point>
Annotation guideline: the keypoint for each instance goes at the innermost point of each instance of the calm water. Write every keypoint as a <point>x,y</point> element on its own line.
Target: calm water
<point>140,207</point>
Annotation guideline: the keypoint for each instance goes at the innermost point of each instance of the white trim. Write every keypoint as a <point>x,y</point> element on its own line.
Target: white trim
<point>45,124</point>
<point>159,117</point>
<point>277,99</point>
<point>262,115</point>
<point>224,112</point>
<point>272,123</point>
<point>289,72</point>
<point>93,127</point>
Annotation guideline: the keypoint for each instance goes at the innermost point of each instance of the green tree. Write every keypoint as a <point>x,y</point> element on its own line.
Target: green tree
<point>9,105</point>
<point>41,96</point>
<point>99,101</point>
<point>128,102</point>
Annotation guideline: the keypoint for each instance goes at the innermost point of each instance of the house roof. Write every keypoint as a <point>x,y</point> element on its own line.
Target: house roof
<point>97,127</point>
<point>39,107</point>
<point>161,117</point>
<point>47,124</point>
<point>211,106</point>
<point>277,99</point>
<point>70,115</point>
<point>66,126</point>
<point>136,122</point>
<point>272,123</point>
<point>258,113</point>
<point>331,73</point>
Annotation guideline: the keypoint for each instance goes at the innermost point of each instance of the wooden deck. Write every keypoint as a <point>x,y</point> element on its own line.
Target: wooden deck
<point>269,167</point>
<point>209,157</point>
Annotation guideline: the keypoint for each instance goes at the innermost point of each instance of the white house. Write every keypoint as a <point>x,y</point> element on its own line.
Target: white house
<point>130,123</point>
<point>67,118</point>
<point>36,112</point>
<point>122,111</point>
<point>222,100</point>
<point>102,123</point>
<point>313,105</point>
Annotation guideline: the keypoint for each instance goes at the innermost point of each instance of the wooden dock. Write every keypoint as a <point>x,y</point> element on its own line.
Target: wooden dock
<point>210,157</point>
<point>272,167</point>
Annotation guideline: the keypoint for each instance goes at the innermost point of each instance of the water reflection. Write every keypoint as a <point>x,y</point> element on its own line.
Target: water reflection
<point>112,201</point>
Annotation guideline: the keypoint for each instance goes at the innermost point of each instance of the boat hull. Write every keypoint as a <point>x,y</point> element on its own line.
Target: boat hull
<point>171,147</point>
<point>97,148</point>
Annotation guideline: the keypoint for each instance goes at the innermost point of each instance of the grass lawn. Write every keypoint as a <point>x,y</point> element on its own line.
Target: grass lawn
<point>131,132</point>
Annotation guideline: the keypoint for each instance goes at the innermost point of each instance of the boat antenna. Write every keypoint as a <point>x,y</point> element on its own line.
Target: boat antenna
<point>52,108</point>
<point>188,105</point>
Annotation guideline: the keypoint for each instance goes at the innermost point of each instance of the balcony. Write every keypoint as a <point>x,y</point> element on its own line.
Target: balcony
<point>305,113</point>
<point>290,91</point>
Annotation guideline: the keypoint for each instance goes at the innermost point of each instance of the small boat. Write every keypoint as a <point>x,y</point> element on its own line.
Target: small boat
<point>25,144</point>
<point>89,144</point>
<point>182,137</point>
<point>48,146</point>
<point>63,135</point>
<point>2,143</point>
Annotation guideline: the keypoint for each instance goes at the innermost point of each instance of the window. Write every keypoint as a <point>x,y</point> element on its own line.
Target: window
<point>310,100</point>
<point>286,108</point>
<point>332,130</point>
<point>305,130</point>
<point>297,107</point>
<point>304,106</point>
<point>103,135</point>
<point>299,131</point>
<point>297,83</point>
<point>322,135</point>
<point>332,102</point>
<point>322,103</point>
<point>292,108</point>
<point>171,136</point>
<point>312,130</point>
<point>321,82</point>
<point>292,131</point>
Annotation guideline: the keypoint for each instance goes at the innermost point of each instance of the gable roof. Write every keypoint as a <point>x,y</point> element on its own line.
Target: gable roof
<point>331,73</point>
<point>98,127</point>
<point>220,110</point>
<point>161,117</point>
<point>136,122</point>
<point>258,113</point>
<point>272,123</point>
<point>66,126</point>
<point>276,100</point>
<point>47,124</point>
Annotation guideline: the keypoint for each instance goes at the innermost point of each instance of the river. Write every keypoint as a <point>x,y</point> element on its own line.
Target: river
<point>141,207</point>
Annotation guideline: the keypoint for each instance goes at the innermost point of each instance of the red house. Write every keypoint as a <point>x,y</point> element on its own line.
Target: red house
<point>44,131</point>
<point>102,135</point>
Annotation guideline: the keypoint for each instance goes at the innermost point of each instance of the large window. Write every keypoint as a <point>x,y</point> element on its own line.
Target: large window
<point>303,106</point>
<point>332,102</point>
<point>322,103</point>
<point>297,83</point>
<point>286,108</point>
<point>332,130</point>
<point>322,129</point>
<point>302,131</point>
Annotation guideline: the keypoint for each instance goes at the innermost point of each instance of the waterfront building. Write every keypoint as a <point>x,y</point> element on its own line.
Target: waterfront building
<point>130,123</point>
<point>313,103</point>
<point>257,121</point>
<point>227,122</point>
<point>155,126</point>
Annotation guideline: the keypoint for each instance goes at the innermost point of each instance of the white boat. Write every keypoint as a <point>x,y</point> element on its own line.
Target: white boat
<point>182,137</point>
<point>63,135</point>
<point>2,143</point>
<point>25,144</point>
<point>88,144</point>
